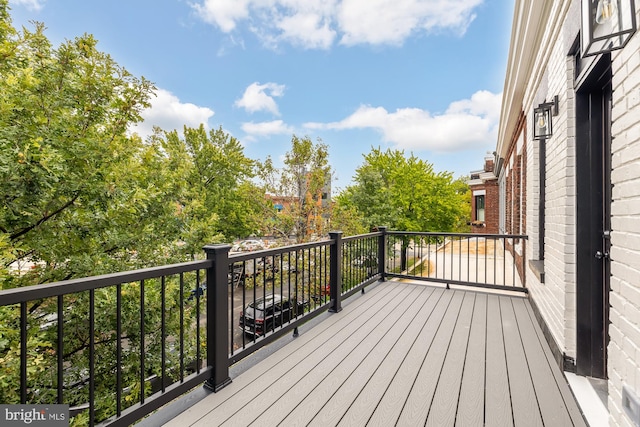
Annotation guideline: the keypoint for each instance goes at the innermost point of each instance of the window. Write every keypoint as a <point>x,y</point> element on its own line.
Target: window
<point>480,208</point>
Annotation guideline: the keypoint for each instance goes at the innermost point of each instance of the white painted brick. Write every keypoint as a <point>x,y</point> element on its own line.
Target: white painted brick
<point>622,239</point>
<point>631,293</point>
<point>626,172</point>
<point>632,314</point>
<point>556,297</point>
<point>625,207</point>
<point>622,273</point>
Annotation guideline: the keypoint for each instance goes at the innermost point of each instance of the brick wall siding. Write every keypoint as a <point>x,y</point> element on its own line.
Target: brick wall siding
<point>555,298</point>
<point>624,330</point>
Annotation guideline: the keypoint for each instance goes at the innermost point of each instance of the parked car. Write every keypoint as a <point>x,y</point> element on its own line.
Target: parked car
<point>265,314</point>
<point>248,245</point>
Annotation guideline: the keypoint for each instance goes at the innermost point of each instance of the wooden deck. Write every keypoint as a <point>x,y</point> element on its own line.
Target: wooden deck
<point>404,354</point>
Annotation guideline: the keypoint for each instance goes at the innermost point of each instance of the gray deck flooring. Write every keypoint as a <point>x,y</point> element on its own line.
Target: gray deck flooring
<point>404,354</point>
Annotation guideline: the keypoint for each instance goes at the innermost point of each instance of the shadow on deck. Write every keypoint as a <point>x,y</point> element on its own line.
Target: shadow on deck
<point>404,354</point>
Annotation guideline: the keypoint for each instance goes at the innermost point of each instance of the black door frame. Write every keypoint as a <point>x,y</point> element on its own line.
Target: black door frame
<point>593,219</point>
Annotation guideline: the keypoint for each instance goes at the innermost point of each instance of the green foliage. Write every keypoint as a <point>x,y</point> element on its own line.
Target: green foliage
<point>405,193</point>
<point>211,185</point>
<point>302,182</point>
<point>63,147</point>
<point>81,197</point>
<point>345,217</point>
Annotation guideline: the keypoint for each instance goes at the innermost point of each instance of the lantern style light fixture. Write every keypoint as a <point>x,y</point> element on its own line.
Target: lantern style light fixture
<point>542,123</point>
<point>607,25</point>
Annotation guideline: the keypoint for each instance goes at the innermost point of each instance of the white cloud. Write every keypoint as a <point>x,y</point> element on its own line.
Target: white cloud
<point>275,127</point>
<point>483,103</point>
<point>317,24</point>
<point>259,97</point>
<point>466,124</point>
<point>223,13</point>
<point>393,21</point>
<point>29,4</point>
<point>309,30</point>
<point>169,113</point>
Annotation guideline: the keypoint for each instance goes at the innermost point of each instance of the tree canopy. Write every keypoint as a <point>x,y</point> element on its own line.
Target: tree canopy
<point>405,193</point>
<point>81,195</point>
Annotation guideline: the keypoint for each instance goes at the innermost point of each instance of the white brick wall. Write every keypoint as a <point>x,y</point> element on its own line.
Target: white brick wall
<point>552,74</point>
<point>624,331</point>
<point>556,297</point>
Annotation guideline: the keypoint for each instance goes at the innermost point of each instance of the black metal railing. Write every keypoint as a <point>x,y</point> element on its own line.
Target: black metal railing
<point>480,260</point>
<point>101,344</point>
<point>119,346</point>
<point>272,290</point>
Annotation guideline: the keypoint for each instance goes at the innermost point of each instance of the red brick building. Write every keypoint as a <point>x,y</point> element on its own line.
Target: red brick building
<point>485,213</point>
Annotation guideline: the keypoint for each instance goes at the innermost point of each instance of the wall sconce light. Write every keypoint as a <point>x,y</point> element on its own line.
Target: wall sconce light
<point>542,123</point>
<point>607,25</point>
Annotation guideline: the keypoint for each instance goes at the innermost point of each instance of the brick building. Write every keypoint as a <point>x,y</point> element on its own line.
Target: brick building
<point>484,199</point>
<point>568,167</point>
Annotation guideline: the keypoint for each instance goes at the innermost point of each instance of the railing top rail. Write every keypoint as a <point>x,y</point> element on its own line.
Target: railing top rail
<point>361,236</point>
<point>245,256</point>
<point>492,236</point>
<point>30,293</point>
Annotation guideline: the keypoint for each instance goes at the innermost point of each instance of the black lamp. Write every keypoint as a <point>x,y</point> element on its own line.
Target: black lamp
<point>542,123</point>
<point>607,25</point>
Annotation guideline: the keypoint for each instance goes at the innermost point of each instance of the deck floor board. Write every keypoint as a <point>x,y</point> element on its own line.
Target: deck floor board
<point>404,354</point>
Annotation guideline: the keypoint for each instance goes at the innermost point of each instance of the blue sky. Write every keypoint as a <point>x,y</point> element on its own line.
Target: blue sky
<point>423,76</point>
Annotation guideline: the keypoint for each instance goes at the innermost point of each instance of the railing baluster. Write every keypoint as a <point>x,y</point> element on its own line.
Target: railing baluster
<point>198,354</point>
<point>504,256</point>
<point>477,277</point>
<point>486,241</point>
<point>459,259</point>
<point>92,358</point>
<point>181,299</point>
<point>60,350</point>
<point>452,256</point>
<point>23,352</point>
<point>232,288</point>
<point>253,279</point>
<point>469,259</point>
<point>244,301</point>
<point>118,349</point>
<point>142,342</point>
<point>495,260</point>
<point>515,256</point>
<point>163,331</point>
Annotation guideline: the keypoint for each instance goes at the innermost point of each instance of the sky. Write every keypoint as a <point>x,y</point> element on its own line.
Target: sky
<point>422,76</point>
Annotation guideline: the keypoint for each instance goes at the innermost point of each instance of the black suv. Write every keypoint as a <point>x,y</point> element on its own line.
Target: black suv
<point>266,314</point>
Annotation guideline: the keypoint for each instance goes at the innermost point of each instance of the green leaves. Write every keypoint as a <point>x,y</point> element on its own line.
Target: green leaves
<point>405,193</point>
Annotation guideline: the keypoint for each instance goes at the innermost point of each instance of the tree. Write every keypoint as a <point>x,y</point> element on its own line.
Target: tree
<point>63,119</point>
<point>81,197</point>
<point>405,193</point>
<point>212,185</point>
<point>304,183</point>
<point>345,217</point>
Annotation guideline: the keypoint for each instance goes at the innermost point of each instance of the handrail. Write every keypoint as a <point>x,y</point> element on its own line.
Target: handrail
<point>29,293</point>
